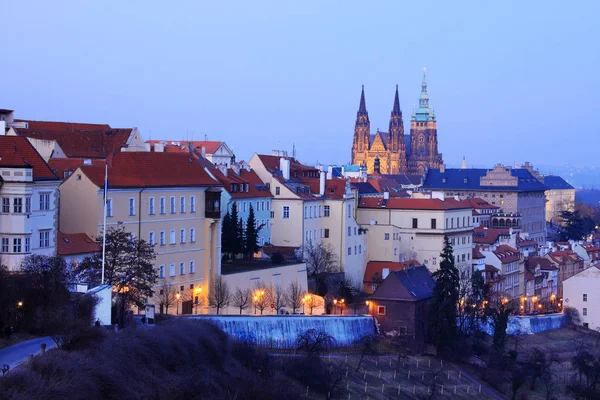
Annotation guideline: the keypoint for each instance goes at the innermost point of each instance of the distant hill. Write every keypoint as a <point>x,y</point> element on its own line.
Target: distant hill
<point>588,196</point>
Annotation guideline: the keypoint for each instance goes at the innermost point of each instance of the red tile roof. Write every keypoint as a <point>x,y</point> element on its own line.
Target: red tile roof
<point>142,169</point>
<point>411,204</point>
<point>564,256</point>
<point>62,165</point>
<point>85,143</point>
<point>507,254</point>
<point>297,169</point>
<point>483,235</point>
<point>256,187</point>
<point>374,269</point>
<point>479,204</point>
<point>532,262</point>
<point>63,126</point>
<point>75,243</point>
<point>334,188</point>
<point>210,146</point>
<point>16,151</point>
<point>477,255</point>
<point>525,242</point>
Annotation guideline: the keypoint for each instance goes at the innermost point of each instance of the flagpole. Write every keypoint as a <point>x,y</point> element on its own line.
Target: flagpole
<point>104,228</point>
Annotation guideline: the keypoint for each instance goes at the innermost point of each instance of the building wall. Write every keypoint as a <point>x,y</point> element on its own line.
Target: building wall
<point>383,242</point>
<point>402,317</point>
<point>26,226</point>
<point>424,243</point>
<point>587,283</point>
<point>558,200</point>
<point>80,200</point>
<point>277,277</point>
<point>262,213</point>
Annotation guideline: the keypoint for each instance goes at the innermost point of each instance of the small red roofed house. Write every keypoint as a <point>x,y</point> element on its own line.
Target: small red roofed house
<point>509,262</point>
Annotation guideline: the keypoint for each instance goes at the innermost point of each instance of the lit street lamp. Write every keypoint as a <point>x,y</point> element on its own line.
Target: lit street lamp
<point>368,308</point>
<point>197,292</point>
<point>178,296</point>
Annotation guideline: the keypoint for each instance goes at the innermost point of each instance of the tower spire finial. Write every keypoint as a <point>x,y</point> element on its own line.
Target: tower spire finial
<point>363,107</point>
<point>396,109</point>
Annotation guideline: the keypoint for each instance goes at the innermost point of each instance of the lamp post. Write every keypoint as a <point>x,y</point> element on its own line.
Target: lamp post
<point>255,300</point>
<point>342,303</point>
<point>197,292</point>
<point>368,308</point>
<point>334,306</point>
<point>177,296</point>
<point>303,302</point>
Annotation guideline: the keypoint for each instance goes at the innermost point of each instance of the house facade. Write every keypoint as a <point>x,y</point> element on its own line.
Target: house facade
<point>29,202</point>
<point>167,199</point>
<point>581,293</point>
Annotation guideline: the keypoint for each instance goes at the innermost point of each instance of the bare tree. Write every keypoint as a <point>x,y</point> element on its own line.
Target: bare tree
<point>241,299</point>
<point>166,296</point>
<point>312,301</point>
<point>321,260</point>
<point>220,295</point>
<point>279,298</point>
<point>293,296</point>
<point>313,342</point>
<point>262,297</point>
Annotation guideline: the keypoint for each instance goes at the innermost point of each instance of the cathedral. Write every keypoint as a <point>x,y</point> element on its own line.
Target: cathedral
<point>392,152</point>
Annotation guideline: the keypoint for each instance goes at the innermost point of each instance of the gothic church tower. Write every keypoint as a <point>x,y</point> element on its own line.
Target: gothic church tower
<point>362,133</point>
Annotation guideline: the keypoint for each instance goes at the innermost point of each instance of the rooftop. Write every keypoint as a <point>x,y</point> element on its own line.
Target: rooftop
<point>469,179</point>
<point>411,204</point>
<point>75,243</point>
<point>17,152</point>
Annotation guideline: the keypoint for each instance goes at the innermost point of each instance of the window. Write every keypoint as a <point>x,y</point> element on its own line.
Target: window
<point>162,238</point>
<point>28,205</point>
<point>415,223</point>
<point>182,236</point>
<point>192,235</point>
<point>268,205</point>
<point>305,212</point>
<point>5,204</point>
<point>162,205</point>
<point>109,209</point>
<point>5,245</point>
<point>386,236</point>
<point>45,239</point>
<point>193,204</point>
<point>349,210</point>
<point>16,245</point>
<point>151,206</point>
<point>349,251</point>
<point>151,238</point>
<point>27,245</point>
<point>277,191</point>
<point>433,223</point>
<point>320,211</point>
<point>182,204</point>
<point>172,270</point>
<point>44,201</point>
<point>172,204</point>
<point>395,252</point>
<point>349,231</point>
<point>192,267</point>
<point>161,271</point>
<point>355,250</point>
<point>381,310</point>
<point>585,297</point>
<point>181,268</point>
<point>131,206</point>
<point>18,205</point>
<point>326,211</point>
<point>326,233</point>
<point>360,249</point>
<point>172,236</point>
<point>286,212</point>
<point>584,311</point>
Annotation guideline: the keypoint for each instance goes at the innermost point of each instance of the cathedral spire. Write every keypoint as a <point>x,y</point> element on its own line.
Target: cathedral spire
<point>362,109</point>
<point>396,109</point>
<point>424,98</point>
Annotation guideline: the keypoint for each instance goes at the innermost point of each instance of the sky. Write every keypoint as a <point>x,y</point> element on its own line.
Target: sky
<point>510,81</point>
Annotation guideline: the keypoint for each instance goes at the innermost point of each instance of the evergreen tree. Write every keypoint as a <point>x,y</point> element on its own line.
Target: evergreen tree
<point>240,237</point>
<point>226,239</point>
<point>443,308</point>
<point>234,231</point>
<point>251,239</point>
<point>573,225</point>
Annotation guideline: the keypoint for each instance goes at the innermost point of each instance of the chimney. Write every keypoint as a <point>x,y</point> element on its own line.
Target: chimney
<point>322,183</point>
<point>284,167</point>
<point>385,272</point>
<point>2,127</point>
<point>203,151</point>
<point>148,146</point>
<point>159,147</point>
<point>386,195</point>
<point>330,172</point>
<point>442,168</point>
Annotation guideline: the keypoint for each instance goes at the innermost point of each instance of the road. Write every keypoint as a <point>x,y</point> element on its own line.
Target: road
<point>16,354</point>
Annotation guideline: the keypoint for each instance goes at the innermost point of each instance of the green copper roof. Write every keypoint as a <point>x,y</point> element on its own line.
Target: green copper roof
<point>423,113</point>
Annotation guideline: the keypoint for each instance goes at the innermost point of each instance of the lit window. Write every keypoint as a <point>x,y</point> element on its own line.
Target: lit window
<point>381,310</point>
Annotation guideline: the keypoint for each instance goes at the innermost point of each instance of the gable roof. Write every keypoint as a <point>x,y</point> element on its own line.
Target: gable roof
<point>334,188</point>
<point>375,268</point>
<point>69,165</point>
<point>84,143</point>
<point>256,187</point>
<point>411,204</point>
<point>364,187</point>
<point>75,243</point>
<point>17,152</point>
<point>297,169</point>
<point>411,284</point>
<point>532,262</point>
<point>63,126</point>
<point>507,254</point>
<point>469,179</point>
<point>483,235</point>
<point>145,170</point>
<point>556,182</point>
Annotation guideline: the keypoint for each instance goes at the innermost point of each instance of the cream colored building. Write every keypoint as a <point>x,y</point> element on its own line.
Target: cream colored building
<point>581,293</point>
<point>560,196</point>
<point>307,208</point>
<point>401,229</point>
<point>167,199</point>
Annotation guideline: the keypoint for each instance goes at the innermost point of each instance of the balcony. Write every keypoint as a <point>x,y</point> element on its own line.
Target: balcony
<point>212,205</point>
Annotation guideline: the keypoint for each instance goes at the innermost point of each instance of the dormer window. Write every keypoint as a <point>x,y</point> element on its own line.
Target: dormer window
<point>465,180</point>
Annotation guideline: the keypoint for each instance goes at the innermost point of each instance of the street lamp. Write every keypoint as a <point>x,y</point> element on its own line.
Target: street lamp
<point>342,306</point>
<point>368,308</point>
<point>20,304</point>
<point>334,306</point>
<point>197,292</point>
<point>255,299</point>
<point>178,296</point>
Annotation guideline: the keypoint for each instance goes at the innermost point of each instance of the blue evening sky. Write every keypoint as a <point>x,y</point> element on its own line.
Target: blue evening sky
<point>509,80</point>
